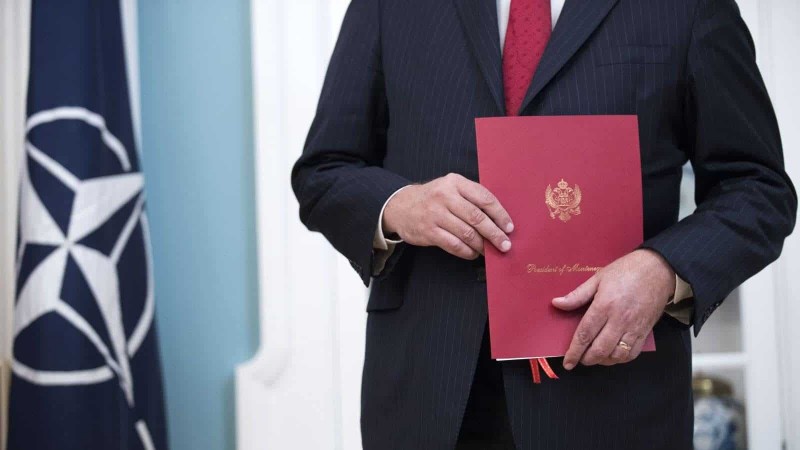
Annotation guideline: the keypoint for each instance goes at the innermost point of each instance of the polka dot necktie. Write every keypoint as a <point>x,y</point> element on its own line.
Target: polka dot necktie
<point>528,31</point>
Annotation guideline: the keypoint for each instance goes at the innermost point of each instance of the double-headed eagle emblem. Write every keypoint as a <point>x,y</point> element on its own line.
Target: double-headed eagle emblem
<point>563,201</point>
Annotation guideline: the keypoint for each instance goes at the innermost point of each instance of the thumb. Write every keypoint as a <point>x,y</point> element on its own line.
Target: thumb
<point>581,296</point>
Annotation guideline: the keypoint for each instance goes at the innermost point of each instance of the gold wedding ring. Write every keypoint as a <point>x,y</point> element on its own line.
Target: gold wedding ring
<point>624,345</point>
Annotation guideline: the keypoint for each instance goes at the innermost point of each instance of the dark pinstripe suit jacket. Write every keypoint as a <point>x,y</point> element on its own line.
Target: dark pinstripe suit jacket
<point>405,83</point>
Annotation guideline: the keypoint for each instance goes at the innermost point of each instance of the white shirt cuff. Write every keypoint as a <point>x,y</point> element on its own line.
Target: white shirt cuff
<point>379,241</point>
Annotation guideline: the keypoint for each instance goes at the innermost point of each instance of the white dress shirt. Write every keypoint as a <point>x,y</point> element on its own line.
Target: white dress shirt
<point>385,247</point>
<point>504,6</point>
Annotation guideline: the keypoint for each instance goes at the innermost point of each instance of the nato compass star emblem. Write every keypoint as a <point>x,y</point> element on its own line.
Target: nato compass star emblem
<point>85,281</point>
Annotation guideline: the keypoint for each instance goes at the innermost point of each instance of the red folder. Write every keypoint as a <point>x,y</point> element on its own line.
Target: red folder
<point>573,188</point>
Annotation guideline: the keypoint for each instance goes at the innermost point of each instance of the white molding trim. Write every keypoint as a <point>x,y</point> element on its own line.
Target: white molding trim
<point>14,32</point>
<point>779,20</point>
<point>302,388</point>
<point>130,35</point>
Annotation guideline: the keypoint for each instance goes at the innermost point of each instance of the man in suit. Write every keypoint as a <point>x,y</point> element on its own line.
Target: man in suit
<point>389,176</point>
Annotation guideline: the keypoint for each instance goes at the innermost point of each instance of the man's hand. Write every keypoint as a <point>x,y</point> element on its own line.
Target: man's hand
<point>627,299</point>
<point>450,212</point>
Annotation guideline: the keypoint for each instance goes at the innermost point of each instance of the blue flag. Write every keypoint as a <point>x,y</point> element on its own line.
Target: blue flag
<point>86,372</point>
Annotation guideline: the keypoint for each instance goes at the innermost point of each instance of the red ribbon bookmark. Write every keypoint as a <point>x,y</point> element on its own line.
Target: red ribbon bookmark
<point>535,363</point>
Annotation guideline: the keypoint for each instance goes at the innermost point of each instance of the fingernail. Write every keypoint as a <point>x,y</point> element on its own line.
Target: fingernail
<point>569,365</point>
<point>505,246</point>
<point>558,299</point>
<point>509,227</point>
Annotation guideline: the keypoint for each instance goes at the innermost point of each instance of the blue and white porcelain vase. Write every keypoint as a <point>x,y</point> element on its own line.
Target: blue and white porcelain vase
<point>718,417</point>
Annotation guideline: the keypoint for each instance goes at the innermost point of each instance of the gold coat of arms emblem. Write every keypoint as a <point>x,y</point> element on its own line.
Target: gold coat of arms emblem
<point>563,201</point>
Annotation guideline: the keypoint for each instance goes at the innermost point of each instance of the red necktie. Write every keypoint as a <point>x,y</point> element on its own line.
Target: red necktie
<point>528,31</point>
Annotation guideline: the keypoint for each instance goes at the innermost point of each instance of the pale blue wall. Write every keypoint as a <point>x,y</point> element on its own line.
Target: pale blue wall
<point>198,153</point>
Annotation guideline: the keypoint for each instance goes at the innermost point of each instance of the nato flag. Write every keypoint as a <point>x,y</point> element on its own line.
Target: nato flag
<point>86,372</point>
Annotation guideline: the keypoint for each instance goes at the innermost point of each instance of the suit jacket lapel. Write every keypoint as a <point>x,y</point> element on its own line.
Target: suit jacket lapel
<point>479,20</point>
<point>578,20</point>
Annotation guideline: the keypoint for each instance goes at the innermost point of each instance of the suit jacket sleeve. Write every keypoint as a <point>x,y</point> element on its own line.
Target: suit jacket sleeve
<point>338,180</point>
<point>746,202</point>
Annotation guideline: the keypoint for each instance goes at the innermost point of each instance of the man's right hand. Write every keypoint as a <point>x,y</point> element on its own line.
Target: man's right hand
<point>451,212</point>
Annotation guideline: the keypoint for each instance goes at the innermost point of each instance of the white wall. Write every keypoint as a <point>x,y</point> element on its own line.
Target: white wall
<point>14,19</point>
<point>302,389</point>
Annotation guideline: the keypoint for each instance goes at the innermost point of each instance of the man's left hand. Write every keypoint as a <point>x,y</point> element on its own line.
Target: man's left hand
<point>627,299</point>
